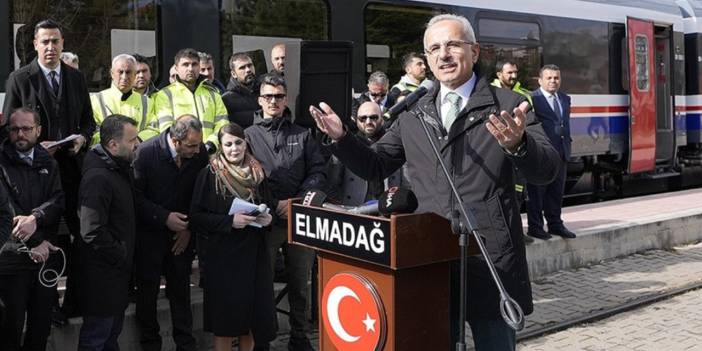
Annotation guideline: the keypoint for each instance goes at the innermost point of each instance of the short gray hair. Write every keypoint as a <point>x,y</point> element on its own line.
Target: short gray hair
<point>379,77</point>
<point>129,58</point>
<point>468,32</point>
<point>183,125</point>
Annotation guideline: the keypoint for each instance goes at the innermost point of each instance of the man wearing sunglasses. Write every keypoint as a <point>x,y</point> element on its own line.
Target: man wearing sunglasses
<point>377,92</point>
<point>294,164</point>
<point>345,186</point>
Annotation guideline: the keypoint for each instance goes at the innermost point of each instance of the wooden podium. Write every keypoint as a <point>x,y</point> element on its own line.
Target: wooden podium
<point>383,283</point>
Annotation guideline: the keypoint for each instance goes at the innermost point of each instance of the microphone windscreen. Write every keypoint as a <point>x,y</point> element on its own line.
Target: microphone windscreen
<point>397,200</point>
<point>314,198</point>
<point>427,83</point>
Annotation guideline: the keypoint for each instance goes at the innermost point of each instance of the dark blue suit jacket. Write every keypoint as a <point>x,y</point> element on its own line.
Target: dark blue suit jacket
<point>558,133</point>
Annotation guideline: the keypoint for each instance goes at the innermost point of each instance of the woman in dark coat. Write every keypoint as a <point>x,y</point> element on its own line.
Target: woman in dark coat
<point>238,280</point>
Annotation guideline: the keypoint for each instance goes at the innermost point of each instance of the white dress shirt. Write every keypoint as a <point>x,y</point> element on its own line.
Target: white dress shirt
<point>463,91</point>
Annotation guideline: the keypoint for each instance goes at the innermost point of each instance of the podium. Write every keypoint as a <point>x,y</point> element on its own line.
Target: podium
<point>384,283</point>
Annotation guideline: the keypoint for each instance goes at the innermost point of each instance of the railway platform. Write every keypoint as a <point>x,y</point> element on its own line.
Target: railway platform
<point>626,251</point>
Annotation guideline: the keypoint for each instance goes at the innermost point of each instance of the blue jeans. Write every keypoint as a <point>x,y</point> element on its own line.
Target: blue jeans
<point>100,333</point>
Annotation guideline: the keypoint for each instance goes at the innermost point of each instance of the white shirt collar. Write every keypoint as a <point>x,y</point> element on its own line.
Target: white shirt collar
<point>547,94</point>
<point>171,147</point>
<point>46,71</point>
<point>463,91</point>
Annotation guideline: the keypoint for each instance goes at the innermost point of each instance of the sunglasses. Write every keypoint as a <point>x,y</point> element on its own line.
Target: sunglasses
<point>270,97</point>
<point>369,117</point>
<point>378,94</point>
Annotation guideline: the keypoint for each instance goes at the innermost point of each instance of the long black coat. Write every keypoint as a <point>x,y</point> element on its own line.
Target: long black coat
<point>483,175</point>
<point>27,87</point>
<point>34,189</point>
<point>107,227</point>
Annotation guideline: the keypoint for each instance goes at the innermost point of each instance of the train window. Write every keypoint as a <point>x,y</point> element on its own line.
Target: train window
<point>499,28</point>
<point>509,40</point>
<point>95,31</point>
<point>527,58</point>
<point>256,26</point>
<point>391,32</point>
<point>641,58</point>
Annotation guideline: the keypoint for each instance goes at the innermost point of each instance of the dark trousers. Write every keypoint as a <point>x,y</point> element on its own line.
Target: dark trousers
<point>70,215</point>
<point>176,270</point>
<point>298,264</point>
<point>546,201</point>
<point>488,334</point>
<point>24,297</point>
<point>100,333</point>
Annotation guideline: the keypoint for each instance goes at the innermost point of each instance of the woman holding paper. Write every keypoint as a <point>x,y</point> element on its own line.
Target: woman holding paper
<point>238,281</point>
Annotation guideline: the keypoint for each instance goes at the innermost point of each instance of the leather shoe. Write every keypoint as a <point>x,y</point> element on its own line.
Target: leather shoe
<point>539,234</point>
<point>563,232</point>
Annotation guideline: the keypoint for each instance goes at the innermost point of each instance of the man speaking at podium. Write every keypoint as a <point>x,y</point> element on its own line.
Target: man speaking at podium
<point>480,142</point>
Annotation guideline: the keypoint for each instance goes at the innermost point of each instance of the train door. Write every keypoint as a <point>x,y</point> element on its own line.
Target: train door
<point>665,126</point>
<point>642,96</point>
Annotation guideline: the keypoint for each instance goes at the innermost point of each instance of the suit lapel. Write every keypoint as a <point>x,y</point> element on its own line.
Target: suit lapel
<point>35,79</point>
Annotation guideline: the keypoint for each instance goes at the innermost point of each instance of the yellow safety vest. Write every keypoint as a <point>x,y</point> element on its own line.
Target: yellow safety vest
<point>137,106</point>
<point>206,104</point>
<point>517,89</point>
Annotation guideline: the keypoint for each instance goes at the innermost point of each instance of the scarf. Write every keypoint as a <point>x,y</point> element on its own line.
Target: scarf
<point>240,181</point>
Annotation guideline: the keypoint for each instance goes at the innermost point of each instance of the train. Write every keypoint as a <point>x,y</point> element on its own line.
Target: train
<point>631,67</point>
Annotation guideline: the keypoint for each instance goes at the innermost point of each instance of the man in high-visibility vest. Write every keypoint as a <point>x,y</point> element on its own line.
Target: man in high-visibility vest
<point>120,99</point>
<point>192,94</point>
<point>506,72</point>
<point>415,73</point>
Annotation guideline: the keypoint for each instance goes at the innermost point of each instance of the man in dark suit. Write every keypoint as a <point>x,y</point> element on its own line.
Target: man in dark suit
<point>553,110</point>
<point>59,94</point>
<point>165,170</point>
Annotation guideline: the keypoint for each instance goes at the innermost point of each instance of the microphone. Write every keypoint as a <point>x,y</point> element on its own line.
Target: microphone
<point>411,99</point>
<point>397,200</point>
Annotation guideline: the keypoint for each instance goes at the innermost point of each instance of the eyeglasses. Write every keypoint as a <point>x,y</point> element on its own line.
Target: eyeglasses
<point>368,117</point>
<point>377,94</point>
<point>270,97</point>
<point>453,46</point>
<point>16,130</point>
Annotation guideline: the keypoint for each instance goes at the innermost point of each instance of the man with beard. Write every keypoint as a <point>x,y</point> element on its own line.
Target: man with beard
<point>507,72</point>
<point>241,98</point>
<point>165,170</point>
<point>31,176</point>
<point>207,69</point>
<point>278,59</point>
<point>143,84</point>
<point>107,232</point>
<point>415,72</point>
<point>120,98</point>
<point>347,187</point>
<point>190,94</point>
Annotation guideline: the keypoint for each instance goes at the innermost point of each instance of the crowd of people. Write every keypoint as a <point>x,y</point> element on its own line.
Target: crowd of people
<point>144,179</point>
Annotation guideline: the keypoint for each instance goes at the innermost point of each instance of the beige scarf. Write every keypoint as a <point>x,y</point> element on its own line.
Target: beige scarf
<point>240,181</point>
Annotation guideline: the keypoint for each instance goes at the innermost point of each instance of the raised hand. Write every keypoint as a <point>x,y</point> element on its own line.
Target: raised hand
<point>509,131</point>
<point>327,121</point>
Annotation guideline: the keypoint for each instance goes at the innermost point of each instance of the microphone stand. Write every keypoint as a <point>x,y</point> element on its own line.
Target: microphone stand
<point>511,313</point>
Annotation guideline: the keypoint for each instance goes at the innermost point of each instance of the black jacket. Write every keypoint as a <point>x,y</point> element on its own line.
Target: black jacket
<point>36,190</point>
<point>483,175</point>
<point>107,232</point>
<point>288,153</point>
<point>241,102</point>
<point>161,186</point>
<point>28,87</point>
